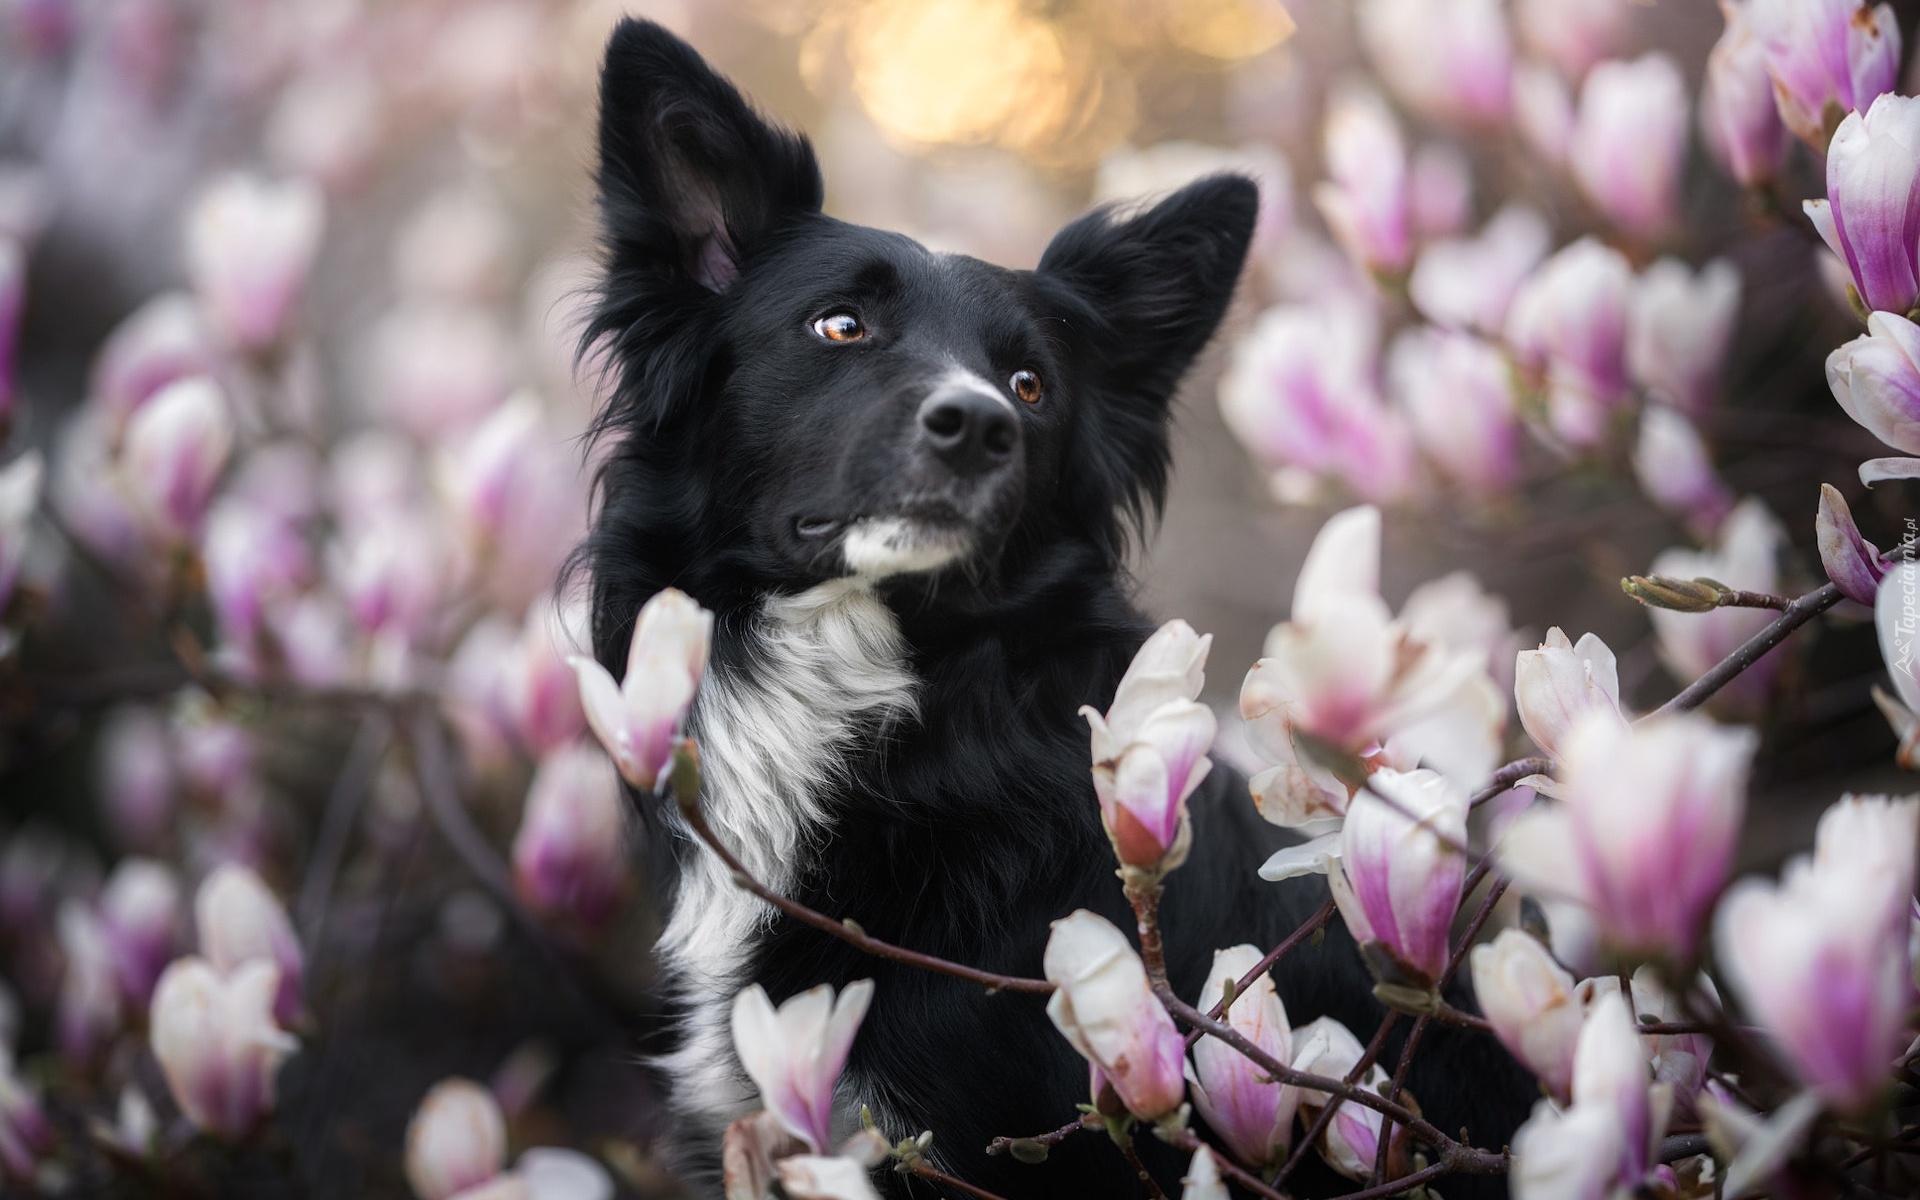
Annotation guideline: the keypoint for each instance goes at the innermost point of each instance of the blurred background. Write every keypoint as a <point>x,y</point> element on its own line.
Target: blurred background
<point>399,195</point>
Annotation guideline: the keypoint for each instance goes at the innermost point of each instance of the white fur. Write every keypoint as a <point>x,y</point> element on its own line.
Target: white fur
<point>829,665</point>
<point>881,546</point>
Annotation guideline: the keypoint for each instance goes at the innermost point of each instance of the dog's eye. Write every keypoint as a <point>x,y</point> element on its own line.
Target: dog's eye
<point>1026,385</point>
<point>840,327</point>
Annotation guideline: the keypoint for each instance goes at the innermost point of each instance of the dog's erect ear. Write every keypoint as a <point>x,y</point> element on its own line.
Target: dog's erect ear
<point>689,174</point>
<point>1154,286</point>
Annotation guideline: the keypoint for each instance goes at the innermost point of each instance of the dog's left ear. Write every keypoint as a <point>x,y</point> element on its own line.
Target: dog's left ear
<point>1152,288</point>
<point>690,175</point>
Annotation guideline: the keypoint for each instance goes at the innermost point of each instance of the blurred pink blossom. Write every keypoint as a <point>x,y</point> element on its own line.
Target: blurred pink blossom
<point>1439,190</point>
<point>1451,60</point>
<point>456,1140</point>
<point>163,340</point>
<point>88,1013</point>
<point>1104,1005</point>
<point>1827,58</point>
<point>1745,555</point>
<point>176,448</point>
<point>479,477</point>
<point>251,556</point>
<point>1457,392</point>
<point>136,777</point>
<point>1738,114</point>
<point>250,245</point>
<point>457,246</point>
<point>1605,1142</point>
<point>1629,142</point>
<point>439,368</point>
<point>1365,201</point>
<point>1571,34</point>
<point>1679,325</point>
<point>1249,1111</point>
<point>393,573</point>
<point>1679,1060</point>
<point>218,1043</point>
<point>1871,215</point>
<point>570,856</point>
<point>1675,470</point>
<point>140,915</point>
<point>25,1133</point>
<point>239,921</point>
<point>542,694</point>
<point>1569,321</point>
<point>1530,1001</point>
<point>1543,109</point>
<point>1469,282</point>
<point>328,124</point>
<point>1456,612</point>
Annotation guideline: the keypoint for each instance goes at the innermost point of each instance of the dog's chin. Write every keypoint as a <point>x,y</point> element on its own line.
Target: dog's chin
<point>883,547</point>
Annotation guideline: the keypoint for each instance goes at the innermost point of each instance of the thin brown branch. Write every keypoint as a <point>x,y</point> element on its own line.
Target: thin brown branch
<point>1186,1140</point>
<point>1506,777</point>
<point>1147,1181</point>
<point>1053,1137</point>
<point>845,931</point>
<point>1394,1187</point>
<point>1308,928</point>
<point>927,1171</point>
<point>1368,1055</point>
<point>1144,896</point>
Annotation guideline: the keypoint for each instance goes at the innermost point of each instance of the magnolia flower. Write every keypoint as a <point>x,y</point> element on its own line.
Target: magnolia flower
<point>1679,1059</point>
<point>794,1054</point>
<point>1850,561</point>
<point>1822,960</point>
<point>1543,109</point>
<point>1569,321</point>
<point>757,1151</point>
<point>1530,1001</point>
<point>1150,749</point>
<point>1439,190</point>
<point>1629,141</point>
<point>392,570</point>
<point>1557,685</point>
<point>1456,612</point>
<point>164,340</point>
<point>135,775</point>
<point>456,1140</point>
<point>1344,674</point>
<point>570,854</point>
<point>1398,879</point>
<point>1457,392</point>
<point>479,477</point>
<point>176,446</point>
<point>1571,34</point>
<point>1678,327</point>
<point>217,1042</point>
<point>140,916</point>
<point>1745,555</point>
<point>1104,1005</point>
<point>1827,57</point>
<point>542,694</point>
<point>1449,59</point>
<point>87,1012</point>
<point>1251,1113</point>
<point>1470,282</point>
<point>1365,203</point>
<point>239,921</point>
<point>1351,1142</point>
<point>250,245</point>
<point>1876,377</point>
<point>20,482</point>
<point>638,719</point>
<point>1672,464</point>
<point>25,1133</point>
<point>1607,1138</point>
<point>438,367</point>
<point>251,556</point>
<point>1738,114</point>
<point>1646,830</point>
<point>1870,217</point>
<point>1203,1180</point>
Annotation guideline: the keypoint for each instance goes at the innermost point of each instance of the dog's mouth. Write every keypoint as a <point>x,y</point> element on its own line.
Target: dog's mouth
<point>817,529</point>
<point>907,542</point>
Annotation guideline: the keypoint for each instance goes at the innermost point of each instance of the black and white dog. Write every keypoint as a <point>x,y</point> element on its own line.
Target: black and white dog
<point>904,481</point>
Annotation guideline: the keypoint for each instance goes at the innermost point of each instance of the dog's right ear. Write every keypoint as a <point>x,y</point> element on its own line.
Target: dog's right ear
<point>690,175</point>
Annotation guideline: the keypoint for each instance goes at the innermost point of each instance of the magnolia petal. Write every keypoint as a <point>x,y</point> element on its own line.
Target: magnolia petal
<point>1308,858</point>
<point>1880,470</point>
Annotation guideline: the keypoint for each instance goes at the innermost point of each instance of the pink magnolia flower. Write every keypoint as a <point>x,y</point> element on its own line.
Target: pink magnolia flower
<point>1530,1001</point>
<point>541,692</point>
<point>1557,685</point>
<point>1457,392</point>
<point>239,921</point>
<point>1876,378</point>
<point>456,1140</point>
<point>1605,1141</point>
<point>1672,464</point>
<point>1745,555</point>
<point>1738,115</point>
<point>1543,109</point>
<point>1249,1111</point>
<point>794,1053</point>
<point>1679,1060</point>
<point>1456,612</point>
<point>479,478</point>
<point>1365,201</point>
<point>251,556</point>
<point>1468,283</point>
<point>1202,1181</point>
<point>20,484</point>
<point>1827,58</point>
<point>394,570</point>
<point>176,447</point>
<point>1351,1142</point>
<point>1678,327</point>
<point>140,916</point>
<point>638,719</point>
<point>1571,34</point>
<point>136,776</point>
<point>1645,831</point>
<point>1449,59</point>
<point>1569,321</point>
<point>1150,749</point>
<point>440,368</point>
<point>218,1043</point>
<point>250,245</point>
<point>1104,1005</point>
<point>88,1012</point>
<point>1870,217</point>
<point>1850,561</point>
<point>164,339</point>
<point>571,852</point>
<point>1398,879</point>
<point>1629,141</point>
<point>1439,190</point>
<point>1822,960</point>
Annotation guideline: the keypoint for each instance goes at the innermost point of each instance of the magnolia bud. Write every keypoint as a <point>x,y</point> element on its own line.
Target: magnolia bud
<point>571,852</point>
<point>1365,204</point>
<point>1104,1005</point>
<point>140,915</point>
<point>164,340</point>
<point>218,1044</point>
<point>1630,141</point>
<point>240,921</point>
<point>177,444</point>
<point>1248,1110</point>
<point>250,245</point>
<point>1738,114</point>
<point>1398,879</point>
<point>638,719</point>
<point>1561,682</point>
<point>456,1140</point>
<point>794,1053</point>
<point>1531,1003</point>
<point>1827,58</point>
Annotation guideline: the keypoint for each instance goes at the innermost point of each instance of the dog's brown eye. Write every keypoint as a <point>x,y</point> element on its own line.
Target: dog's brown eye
<point>1026,385</point>
<point>840,327</point>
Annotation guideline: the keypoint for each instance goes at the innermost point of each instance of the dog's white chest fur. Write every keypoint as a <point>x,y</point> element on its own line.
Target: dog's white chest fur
<point>830,667</point>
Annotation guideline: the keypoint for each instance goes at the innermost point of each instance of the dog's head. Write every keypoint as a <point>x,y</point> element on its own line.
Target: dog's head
<point>797,398</point>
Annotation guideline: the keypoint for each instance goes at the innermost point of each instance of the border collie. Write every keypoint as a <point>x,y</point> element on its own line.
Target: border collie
<point>905,481</point>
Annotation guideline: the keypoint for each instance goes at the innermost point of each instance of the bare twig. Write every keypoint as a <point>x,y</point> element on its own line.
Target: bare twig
<point>926,1170</point>
<point>1506,777</point>
<point>1360,1067</point>
<point>1147,1181</point>
<point>336,824</point>
<point>1053,1137</point>
<point>1186,1140</point>
<point>1797,613</point>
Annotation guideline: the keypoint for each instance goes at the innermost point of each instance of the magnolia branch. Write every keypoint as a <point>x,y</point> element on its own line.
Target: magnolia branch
<point>1308,928</point>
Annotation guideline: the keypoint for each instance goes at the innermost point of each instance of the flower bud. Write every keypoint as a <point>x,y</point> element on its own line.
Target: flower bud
<point>1150,749</point>
<point>1851,561</point>
<point>1448,59</point>
<point>1738,115</point>
<point>1351,1142</point>
<point>217,1042</point>
<point>456,1140</point>
<point>1365,204</point>
<point>1870,217</point>
<point>541,691</point>
<point>1529,1000</point>
<point>638,719</point>
<point>176,446</point>
<point>479,478</point>
<point>1571,34</point>
<point>1457,392</point>
<point>570,855</point>
<point>1673,468</point>
<point>239,921</point>
<point>1250,1112</point>
<point>20,482</point>
<point>794,1053</point>
<point>1604,1142</point>
<point>1827,58</point>
<point>1104,1005</point>
<point>251,555</point>
<point>164,340</point>
<point>250,244</point>
<point>87,1014</point>
<point>1398,879</point>
<point>140,916</point>
<point>1629,141</point>
<point>1876,377</point>
<point>1745,557</point>
<point>1468,283</point>
<point>1569,320</point>
<point>1678,327</point>
<point>1560,683</point>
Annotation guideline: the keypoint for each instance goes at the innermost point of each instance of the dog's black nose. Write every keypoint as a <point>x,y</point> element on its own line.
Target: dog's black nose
<point>969,430</point>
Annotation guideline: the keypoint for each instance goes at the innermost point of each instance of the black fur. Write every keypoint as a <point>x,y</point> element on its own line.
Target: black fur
<point>966,832</point>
